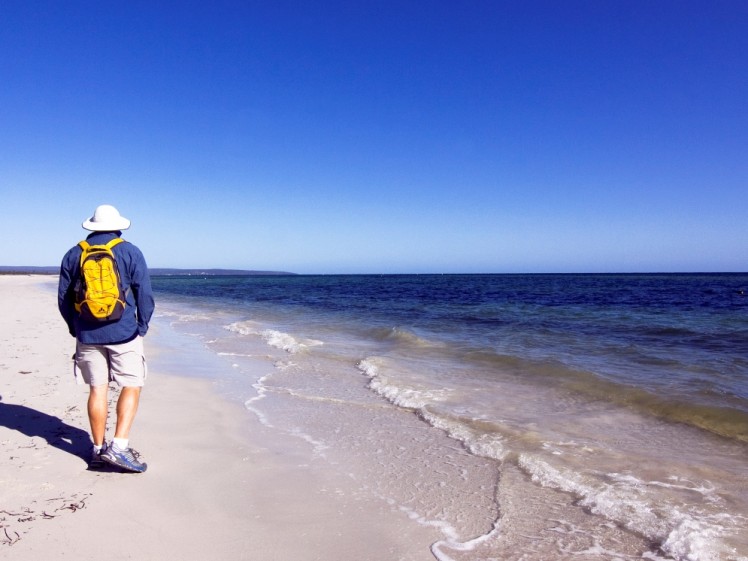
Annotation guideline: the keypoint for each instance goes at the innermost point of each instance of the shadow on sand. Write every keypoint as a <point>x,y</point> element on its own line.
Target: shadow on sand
<point>31,422</point>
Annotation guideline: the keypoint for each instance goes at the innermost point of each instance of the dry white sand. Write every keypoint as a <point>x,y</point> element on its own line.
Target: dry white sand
<point>219,485</point>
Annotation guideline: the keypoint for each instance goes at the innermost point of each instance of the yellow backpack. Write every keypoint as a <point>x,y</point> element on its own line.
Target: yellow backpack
<point>99,294</point>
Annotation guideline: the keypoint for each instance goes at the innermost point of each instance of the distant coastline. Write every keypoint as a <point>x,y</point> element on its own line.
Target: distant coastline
<point>10,270</point>
<point>216,272</point>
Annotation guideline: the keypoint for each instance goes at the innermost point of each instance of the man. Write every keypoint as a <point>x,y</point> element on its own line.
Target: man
<point>109,349</point>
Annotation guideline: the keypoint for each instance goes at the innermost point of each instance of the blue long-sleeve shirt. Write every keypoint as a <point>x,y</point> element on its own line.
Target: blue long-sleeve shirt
<point>135,281</point>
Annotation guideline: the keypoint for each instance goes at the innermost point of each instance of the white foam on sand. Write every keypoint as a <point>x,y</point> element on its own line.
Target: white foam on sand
<point>686,535</point>
<point>684,532</point>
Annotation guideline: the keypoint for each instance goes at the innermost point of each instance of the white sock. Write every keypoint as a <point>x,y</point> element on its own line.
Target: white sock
<point>121,443</point>
<point>97,449</point>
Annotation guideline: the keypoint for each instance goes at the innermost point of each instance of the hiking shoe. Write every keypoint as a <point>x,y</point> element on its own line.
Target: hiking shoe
<point>96,461</point>
<point>123,459</point>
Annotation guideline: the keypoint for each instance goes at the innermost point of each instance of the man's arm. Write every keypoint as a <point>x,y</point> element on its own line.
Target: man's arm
<point>141,287</point>
<point>65,296</point>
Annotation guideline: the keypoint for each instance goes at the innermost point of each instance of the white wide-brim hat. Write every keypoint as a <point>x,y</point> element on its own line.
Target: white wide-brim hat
<point>106,218</point>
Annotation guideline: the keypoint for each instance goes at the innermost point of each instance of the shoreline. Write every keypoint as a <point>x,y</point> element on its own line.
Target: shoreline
<point>219,485</point>
<point>269,439</point>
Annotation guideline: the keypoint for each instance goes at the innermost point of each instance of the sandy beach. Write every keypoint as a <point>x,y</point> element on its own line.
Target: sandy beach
<point>218,486</point>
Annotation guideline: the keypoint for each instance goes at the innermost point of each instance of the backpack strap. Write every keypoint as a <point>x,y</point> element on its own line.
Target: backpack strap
<point>85,246</point>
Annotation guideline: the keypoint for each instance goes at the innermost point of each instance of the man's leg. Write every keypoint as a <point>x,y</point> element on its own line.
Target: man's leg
<point>127,368</point>
<point>97,412</point>
<point>119,453</point>
<point>91,364</point>
<point>127,406</point>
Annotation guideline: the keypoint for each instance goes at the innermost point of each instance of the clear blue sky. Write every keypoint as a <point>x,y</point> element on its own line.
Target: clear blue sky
<point>387,136</point>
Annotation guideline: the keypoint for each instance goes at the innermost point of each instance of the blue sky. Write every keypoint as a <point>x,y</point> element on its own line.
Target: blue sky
<point>380,137</point>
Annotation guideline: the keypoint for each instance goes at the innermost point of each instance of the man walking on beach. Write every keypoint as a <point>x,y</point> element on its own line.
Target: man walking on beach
<point>109,321</point>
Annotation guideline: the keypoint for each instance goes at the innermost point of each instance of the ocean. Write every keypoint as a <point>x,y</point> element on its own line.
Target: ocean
<point>532,417</point>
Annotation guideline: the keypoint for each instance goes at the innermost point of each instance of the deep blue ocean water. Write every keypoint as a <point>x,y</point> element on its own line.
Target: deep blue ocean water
<point>658,340</point>
<point>628,393</point>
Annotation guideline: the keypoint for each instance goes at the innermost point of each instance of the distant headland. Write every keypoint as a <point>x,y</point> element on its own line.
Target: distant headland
<point>10,270</point>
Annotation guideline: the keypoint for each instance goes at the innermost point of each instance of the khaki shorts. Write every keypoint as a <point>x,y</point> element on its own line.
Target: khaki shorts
<point>97,365</point>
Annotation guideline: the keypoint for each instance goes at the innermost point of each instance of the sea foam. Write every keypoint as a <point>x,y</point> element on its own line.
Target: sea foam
<point>273,337</point>
<point>682,533</point>
<point>686,535</point>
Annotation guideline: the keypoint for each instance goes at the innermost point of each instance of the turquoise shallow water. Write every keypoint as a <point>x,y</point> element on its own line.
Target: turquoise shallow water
<point>617,402</point>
